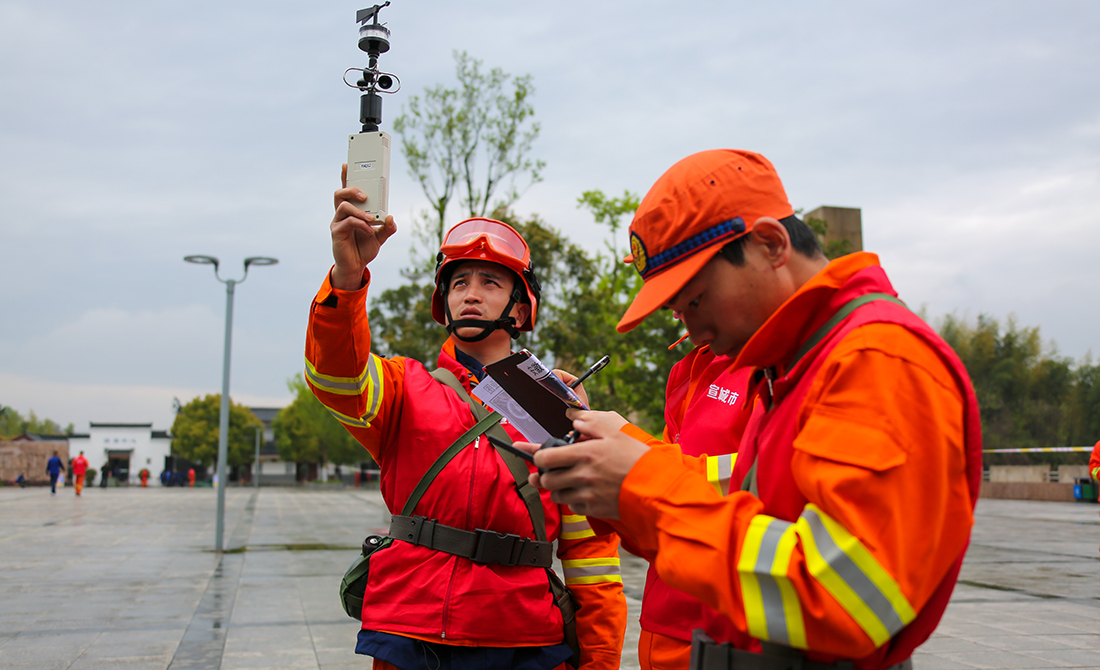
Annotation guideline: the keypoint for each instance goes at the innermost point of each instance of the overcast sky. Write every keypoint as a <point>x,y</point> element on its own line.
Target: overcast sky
<point>134,133</point>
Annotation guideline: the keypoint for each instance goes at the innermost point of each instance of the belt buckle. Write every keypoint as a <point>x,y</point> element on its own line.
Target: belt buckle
<point>493,547</point>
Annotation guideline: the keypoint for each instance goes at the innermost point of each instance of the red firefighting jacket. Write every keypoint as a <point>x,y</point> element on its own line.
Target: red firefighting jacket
<point>705,414</point>
<point>405,419</point>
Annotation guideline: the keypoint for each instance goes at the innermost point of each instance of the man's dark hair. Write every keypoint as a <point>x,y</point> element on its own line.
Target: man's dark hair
<point>803,240</point>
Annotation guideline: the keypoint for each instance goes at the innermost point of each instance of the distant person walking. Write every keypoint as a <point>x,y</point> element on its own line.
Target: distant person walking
<point>21,481</point>
<point>191,476</point>
<point>105,475</point>
<point>54,468</point>
<point>80,468</point>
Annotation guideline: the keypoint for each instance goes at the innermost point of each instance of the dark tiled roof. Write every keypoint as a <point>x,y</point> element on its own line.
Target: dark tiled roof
<point>121,425</point>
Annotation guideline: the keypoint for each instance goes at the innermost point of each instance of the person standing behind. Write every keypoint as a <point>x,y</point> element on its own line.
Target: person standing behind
<point>80,468</point>
<point>54,469</point>
<point>1094,462</point>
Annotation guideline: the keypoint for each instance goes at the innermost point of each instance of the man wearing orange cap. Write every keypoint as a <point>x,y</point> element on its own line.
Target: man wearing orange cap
<point>822,559</point>
<point>465,579</point>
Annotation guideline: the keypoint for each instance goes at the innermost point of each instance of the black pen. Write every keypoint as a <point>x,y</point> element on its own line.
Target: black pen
<point>590,371</point>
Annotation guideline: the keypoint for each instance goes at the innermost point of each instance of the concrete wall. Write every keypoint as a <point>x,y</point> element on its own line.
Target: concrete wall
<point>845,223</point>
<point>1067,473</point>
<point>1019,473</point>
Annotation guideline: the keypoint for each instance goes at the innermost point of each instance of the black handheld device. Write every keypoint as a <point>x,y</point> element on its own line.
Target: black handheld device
<point>570,438</point>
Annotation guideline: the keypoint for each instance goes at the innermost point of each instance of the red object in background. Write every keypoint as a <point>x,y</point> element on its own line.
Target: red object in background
<point>191,477</point>
<point>144,474</point>
<point>356,480</point>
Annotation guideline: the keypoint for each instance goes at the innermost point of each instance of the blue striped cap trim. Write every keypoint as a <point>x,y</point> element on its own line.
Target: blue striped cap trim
<point>669,257</point>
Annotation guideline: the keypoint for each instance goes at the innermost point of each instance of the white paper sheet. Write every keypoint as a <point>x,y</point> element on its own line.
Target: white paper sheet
<point>490,393</point>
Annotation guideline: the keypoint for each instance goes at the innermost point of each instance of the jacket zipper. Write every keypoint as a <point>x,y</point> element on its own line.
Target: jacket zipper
<point>454,568</point>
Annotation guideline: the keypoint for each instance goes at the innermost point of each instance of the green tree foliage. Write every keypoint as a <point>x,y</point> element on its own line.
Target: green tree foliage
<point>195,431</point>
<point>13,424</point>
<point>470,140</point>
<point>1029,396</point>
<point>305,432</point>
<point>580,326</point>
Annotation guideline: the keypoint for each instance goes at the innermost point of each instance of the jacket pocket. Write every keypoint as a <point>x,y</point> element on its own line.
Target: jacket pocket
<point>833,435</point>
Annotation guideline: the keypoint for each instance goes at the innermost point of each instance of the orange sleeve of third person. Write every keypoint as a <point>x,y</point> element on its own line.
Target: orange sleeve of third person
<point>362,390</point>
<point>1094,462</point>
<point>593,574</point>
<point>879,455</point>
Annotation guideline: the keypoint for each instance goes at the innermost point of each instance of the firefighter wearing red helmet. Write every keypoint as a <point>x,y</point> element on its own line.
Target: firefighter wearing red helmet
<point>425,598</point>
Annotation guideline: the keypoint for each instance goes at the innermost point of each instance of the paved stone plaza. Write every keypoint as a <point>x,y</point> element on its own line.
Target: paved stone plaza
<point>125,578</point>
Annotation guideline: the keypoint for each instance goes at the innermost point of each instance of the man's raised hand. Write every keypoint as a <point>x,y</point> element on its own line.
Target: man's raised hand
<point>355,239</point>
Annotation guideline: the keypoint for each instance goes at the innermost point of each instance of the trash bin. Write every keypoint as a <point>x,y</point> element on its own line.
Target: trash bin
<point>1085,490</point>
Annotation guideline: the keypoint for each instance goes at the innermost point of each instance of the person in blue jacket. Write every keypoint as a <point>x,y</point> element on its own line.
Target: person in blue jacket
<point>54,468</point>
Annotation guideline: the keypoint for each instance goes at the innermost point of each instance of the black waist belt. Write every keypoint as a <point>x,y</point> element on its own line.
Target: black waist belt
<point>480,546</point>
<point>706,654</point>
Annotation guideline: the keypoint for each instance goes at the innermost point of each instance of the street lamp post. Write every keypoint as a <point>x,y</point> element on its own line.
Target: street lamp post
<point>256,468</point>
<point>223,423</point>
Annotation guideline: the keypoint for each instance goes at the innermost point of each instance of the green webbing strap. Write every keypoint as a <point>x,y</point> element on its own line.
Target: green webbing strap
<point>841,314</point>
<point>466,438</point>
<point>516,465</point>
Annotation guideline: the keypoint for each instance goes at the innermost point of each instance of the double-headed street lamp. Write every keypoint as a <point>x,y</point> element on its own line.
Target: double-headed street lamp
<point>223,423</point>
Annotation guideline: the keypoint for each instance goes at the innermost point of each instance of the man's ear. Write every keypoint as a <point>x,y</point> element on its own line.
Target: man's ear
<point>521,311</point>
<point>772,241</point>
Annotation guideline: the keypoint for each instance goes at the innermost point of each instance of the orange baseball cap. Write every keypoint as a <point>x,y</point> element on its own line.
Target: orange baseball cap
<point>697,207</point>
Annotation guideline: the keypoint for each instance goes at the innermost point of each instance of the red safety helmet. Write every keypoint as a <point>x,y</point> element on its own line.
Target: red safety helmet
<point>496,242</point>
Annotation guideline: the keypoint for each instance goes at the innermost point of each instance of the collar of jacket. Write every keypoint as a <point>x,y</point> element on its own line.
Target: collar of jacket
<point>449,359</point>
<point>814,303</point>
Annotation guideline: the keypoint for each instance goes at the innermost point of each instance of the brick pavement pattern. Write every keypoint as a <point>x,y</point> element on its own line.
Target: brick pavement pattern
<point>125,578</point>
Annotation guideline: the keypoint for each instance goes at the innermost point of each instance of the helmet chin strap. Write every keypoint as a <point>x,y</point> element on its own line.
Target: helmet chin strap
<point>503,322</point>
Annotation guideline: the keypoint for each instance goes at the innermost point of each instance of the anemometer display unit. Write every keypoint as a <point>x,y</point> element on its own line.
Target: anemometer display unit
<point>369,149</point>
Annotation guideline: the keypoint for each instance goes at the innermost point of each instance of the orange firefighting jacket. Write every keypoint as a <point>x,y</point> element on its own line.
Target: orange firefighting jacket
<point>866,481</point>
<point>1094,462</point>
<point>405,419</point>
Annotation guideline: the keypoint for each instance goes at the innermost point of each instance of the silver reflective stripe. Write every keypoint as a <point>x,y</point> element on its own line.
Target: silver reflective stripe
<point>852,575</point>
<point>345,419</point>
<point>592,571</point>
<point>771,597</point>
<point>725,471</point>
<point>330,385</point>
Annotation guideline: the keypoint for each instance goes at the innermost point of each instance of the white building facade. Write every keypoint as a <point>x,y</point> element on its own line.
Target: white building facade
<point>127,447</point>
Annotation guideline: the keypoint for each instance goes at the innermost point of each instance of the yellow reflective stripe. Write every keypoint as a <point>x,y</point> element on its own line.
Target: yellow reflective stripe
<point>851,575</point>
<point>339,385</point>
<point>772,608</point>
<point>720,471</point>
<point>575,527</point>
<point>750,586</point>
<point>368,384</point>
<point>792,606</point>
<point>1096,472</point>
<point>592,570</point>
<point>348,420</point>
